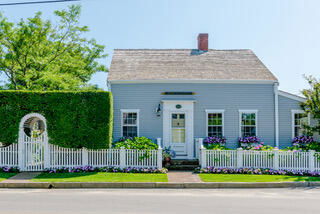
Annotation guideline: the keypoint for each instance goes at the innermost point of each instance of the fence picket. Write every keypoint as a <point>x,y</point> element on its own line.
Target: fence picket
<point>283,160</point>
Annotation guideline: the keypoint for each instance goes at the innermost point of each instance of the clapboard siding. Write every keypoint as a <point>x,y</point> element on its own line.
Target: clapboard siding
<point>285,121</point>
<point>286,105</point>
<point>230,97</point>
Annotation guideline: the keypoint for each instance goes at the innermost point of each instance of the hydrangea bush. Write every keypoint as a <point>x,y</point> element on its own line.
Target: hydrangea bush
<point>142,143</point>
<point>304,143</point>
<point>252,143</point>
<point>257,171</point>
<point>106,169</point>
<point>215,143</point>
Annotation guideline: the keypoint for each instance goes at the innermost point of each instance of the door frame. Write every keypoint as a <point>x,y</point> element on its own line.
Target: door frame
<point>187,107</point>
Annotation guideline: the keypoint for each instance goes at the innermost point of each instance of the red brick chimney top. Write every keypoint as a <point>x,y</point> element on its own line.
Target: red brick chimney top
<point>203,41</point>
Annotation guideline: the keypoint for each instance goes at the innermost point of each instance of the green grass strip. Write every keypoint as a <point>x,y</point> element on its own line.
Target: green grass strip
<point>6,175</point>
<point>100,177</point>
<point>254,178</point>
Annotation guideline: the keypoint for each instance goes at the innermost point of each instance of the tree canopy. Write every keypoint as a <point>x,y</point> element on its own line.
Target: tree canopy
<point>312,104</point>
<point>37,54</point>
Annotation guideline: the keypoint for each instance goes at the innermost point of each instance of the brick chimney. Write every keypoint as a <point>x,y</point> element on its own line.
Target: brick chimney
<point>203,41</point>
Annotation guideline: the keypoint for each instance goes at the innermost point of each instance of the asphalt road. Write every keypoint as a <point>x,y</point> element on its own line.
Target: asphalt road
<point>238,201</point>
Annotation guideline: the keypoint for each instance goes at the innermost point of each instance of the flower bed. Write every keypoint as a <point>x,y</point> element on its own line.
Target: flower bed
<point>107,169</point>
<point>256,171</point>
<point>9,169</point>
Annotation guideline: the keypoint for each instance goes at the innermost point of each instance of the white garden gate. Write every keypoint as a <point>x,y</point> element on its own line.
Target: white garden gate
<point>33,143</point>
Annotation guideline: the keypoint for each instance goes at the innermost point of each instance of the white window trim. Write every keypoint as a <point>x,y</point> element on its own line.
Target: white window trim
<point>293,112</point>
<point>138,119</point>
<point>208,111</point>
<point>249,112</point>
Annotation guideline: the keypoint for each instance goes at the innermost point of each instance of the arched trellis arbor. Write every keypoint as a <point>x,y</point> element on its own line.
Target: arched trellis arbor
<point>33,143</point>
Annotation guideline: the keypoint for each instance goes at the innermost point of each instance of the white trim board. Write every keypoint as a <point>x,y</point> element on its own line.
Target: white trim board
<point>129,111</point>
<point>240,81</point>
<point>291,96</point>
<point>293,112</point>
<point>208,111</point>
<point>248,111</point>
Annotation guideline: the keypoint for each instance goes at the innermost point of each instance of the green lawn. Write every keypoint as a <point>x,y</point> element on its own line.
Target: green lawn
<point>100,177</point>
<point>254,178</point>
<point>5,175</point>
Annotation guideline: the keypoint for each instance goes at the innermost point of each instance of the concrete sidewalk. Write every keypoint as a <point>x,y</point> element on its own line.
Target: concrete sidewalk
<point>183,177</point>
<point>22,177</point>
<point>200,185</point>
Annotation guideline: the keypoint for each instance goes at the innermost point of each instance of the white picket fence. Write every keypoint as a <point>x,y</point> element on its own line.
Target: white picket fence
<point>9,155</point>
<point>67,157</point>
<point>283,160</point>
<point>38,157</point>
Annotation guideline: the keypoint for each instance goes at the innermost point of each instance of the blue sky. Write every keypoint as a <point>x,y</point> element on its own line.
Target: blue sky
<point>285,34</point>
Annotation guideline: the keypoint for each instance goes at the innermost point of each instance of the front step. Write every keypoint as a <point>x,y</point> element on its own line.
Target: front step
<point>183,164</point>
<point>182,167</point>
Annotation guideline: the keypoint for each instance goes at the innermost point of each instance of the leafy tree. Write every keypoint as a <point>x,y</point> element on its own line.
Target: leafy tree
<point>37,54</point>
<point>312,104</point>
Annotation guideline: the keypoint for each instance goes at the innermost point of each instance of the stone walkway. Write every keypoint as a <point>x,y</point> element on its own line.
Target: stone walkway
<point>183,177</point>
<point>22,177</point>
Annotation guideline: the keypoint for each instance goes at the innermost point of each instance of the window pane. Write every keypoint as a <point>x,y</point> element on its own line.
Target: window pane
<point>215,119</point>
<point>248,131</point>
<point>178,120</point>
<point>215,131</point>
<point>129,118</point>
<point>248,119</point>
<point>130,131</point>
<point>300,119</point>
<point>178,135</point>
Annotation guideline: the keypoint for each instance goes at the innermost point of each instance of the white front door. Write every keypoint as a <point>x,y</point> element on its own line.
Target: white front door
<point>178,127</point>
<point>178,141</point>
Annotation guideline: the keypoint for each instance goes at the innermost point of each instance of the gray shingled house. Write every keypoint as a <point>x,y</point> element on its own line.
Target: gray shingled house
<point>179,95</point>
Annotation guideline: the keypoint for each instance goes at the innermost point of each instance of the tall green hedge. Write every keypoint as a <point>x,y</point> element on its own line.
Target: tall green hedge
<point>74,119</point>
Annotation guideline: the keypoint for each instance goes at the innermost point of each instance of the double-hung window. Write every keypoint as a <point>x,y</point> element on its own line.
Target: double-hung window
<point>299,119</point>
<point>130,122</point>
<point>215,123</point>
<point>248,123</point>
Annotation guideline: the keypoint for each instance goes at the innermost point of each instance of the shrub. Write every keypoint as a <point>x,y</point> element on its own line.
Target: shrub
<point>74,119</point>
<point>141,143</point>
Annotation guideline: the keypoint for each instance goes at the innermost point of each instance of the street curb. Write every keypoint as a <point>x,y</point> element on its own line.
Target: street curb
<point>203,185</point>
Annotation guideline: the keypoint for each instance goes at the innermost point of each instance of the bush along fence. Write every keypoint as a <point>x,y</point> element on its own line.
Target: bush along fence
<point>41,157</point>
<point>274,159</point>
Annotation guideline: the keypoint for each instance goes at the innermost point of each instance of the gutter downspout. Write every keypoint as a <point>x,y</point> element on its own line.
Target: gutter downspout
<point>276,113</point>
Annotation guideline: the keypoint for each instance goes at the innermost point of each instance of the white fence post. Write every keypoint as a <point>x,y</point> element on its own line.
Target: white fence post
<point>199,144</point>
<point>122,155</point>
<point>159,157</point>
<point>85,161</point>
<point>159,142</point>
<point>239,158</point>
<point>203,155</point>
<point>276,159</point>
<point>311,160</point>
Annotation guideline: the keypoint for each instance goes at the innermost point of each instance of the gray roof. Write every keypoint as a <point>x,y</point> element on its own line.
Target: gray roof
<point>187,64</point>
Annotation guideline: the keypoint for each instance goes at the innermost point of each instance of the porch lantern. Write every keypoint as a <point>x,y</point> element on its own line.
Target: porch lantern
<point>158,110</point>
